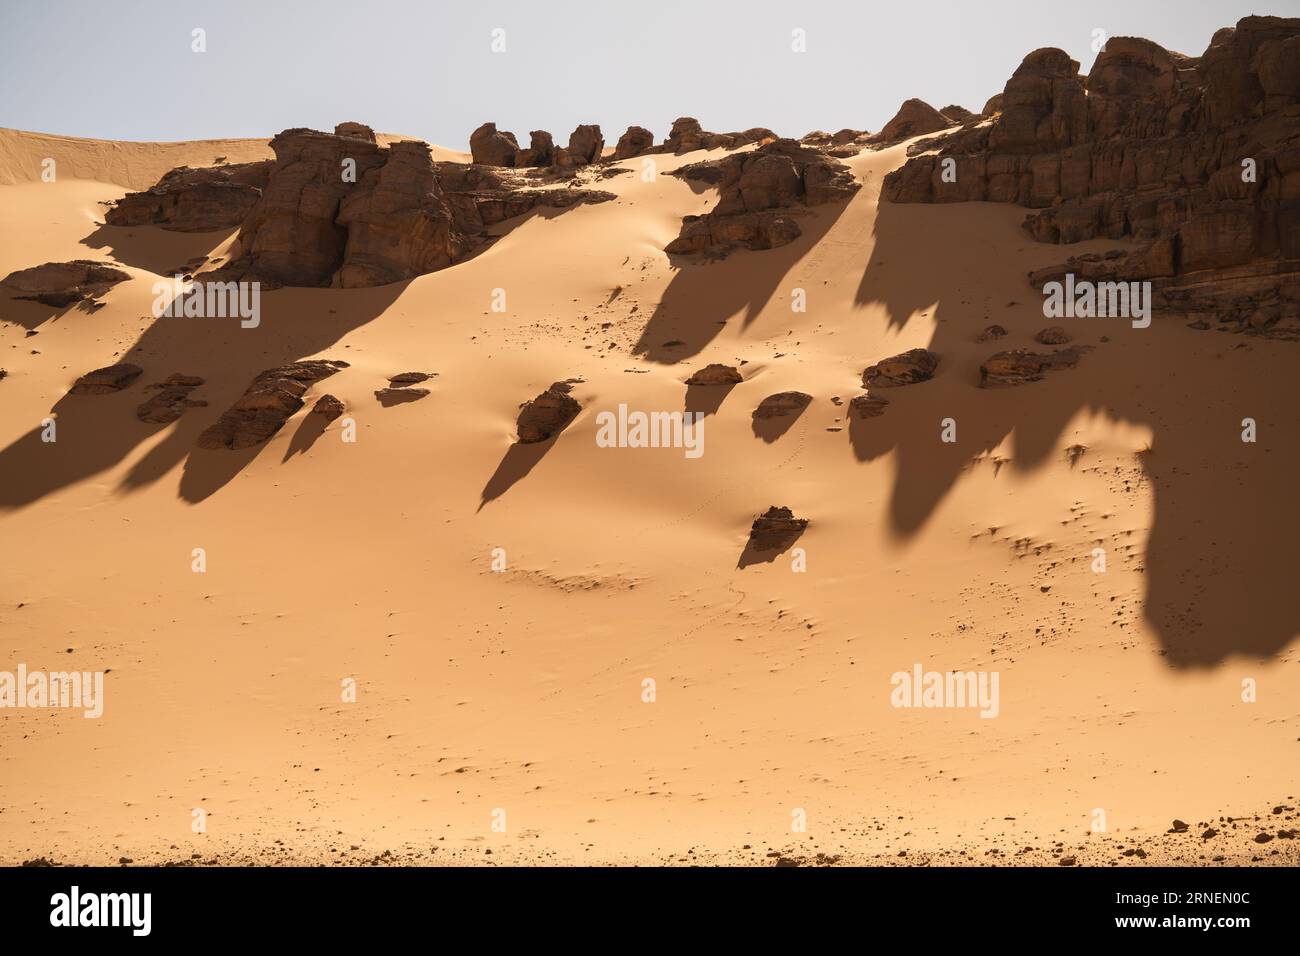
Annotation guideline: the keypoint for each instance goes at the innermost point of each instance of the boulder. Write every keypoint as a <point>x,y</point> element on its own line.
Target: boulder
<point>914,118</point>
<point>492,148</point>
<point>548,414</point>
<point>1053,335</point>
<point>328,406</point>
<point>110,378</point>
<point>540,151</point>
<point>776,529</point>
<point>1020,366</point>
<point>906,368</point>
<point>585,146</point>
<point>195,200</point>
<point>716,374</point>
<point>356,131</point>
<point>62,283</point>
<point>274,396</point>
<point>409,378</point>
<point>169,400</point>
<point>868,406</point>
<point>399,396</point>
<point>782,405</point>
<point>634,142</point>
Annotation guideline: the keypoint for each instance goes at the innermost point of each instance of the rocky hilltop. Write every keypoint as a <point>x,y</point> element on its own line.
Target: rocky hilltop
<point>1196,159</point>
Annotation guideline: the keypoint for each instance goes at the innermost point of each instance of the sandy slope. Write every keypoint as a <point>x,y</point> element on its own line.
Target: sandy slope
<point>522,690</point>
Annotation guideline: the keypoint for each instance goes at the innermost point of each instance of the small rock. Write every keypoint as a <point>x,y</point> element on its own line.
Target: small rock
<point>110,378</point>
<point>906,368</point>
<point>716,374</point>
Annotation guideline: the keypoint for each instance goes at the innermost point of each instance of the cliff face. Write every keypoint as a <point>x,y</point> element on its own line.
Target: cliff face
<point>1197,159</point>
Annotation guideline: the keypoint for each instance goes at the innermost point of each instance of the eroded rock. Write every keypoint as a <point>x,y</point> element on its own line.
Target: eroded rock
<point>782,404</point>
<point>272,398</point>
<point>59,284</point>
<point>493,148</point>
<point>906,368</point>
<point>110,378</point>
<point>169,400</point>
<point>548,414</point>
<point>776,529</point>
<point>195,200</point>
<point>1020,366</point>
<point>716,374</point>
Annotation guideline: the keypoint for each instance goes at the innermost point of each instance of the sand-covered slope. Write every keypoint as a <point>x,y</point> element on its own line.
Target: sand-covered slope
<point>503,715</point>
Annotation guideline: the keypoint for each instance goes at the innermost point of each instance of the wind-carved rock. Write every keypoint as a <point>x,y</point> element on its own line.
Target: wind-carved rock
<point>195,200</point>
<point>492,148</point>
<point>548,414</point>
<point>1195,158</point>
<point>272,398</point>
<point>59,284</point>
<point>755,191</point>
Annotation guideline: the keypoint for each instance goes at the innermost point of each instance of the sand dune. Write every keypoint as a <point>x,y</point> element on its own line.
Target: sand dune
<point>516,694</point>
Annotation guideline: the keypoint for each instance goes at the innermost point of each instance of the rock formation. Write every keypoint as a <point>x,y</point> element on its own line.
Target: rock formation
<point>63,283</point>
<point>540,151</point>
<point>329,406</point>
<point>716,374</point>
<point>270,400</point>
<point>914,118</point>
<point>776,529</point>
<point>906,368</point>
<point>634,142</point>
<point>548,414</point>
<point>195,200</point>
<point>409,378</point>
<point>398,396</point>
<point>110,378</point>
<point>782,404</point>
<point>340,210</point>
<point>754,188</point>
<point>868,406</point>
<point>687,135</point>
<point>1195,158</point>
<point>169,400</point>
<point>1021,366</point>
<point>586,143</point>
<point>491,148</point>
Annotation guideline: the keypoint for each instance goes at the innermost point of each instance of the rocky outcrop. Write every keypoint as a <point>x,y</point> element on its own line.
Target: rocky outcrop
<point>398,224</point>
<point>356,131</point>
<point>270,400</point>
<point>992,106</point>
<point>914,118</point>
<point>957,114</point>
<point>586,143</point>
<point>329,407</point>
<point>548,414</point>
<point>782,405</point>
<point>195,200</point>
<point>906,368</point>
<point>402,379</point>
<point>687,136</point>
<point>492,148</point>
<point>59,284</point>
<point>755,189</point>
<point>776,529</point>
<point>1197,159</point>
<point>540,151</point>
<point>716,374</point>
<point>345,212</point>
<point>868,406</point>
<point>400,396</point>
<point>110,378</point>
<point>634,142</point>
<point>1020,366</point>
<point>169,400</point>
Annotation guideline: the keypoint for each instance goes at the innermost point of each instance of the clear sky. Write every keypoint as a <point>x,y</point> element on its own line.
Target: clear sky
<point>126,70</point>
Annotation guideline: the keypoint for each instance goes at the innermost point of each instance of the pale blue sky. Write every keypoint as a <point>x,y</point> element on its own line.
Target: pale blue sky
<point>126,71</point>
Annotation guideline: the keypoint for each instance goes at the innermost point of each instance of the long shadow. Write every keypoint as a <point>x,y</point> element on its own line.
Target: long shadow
<point>1226,529</point>
<point>706,399</point>
<point>27,314</point>
<point>312,427</point>
<point>752,555</point>
<point>519,460</point>
<point>703,296</point>
<point>96,432</point>
<point>153,248</point>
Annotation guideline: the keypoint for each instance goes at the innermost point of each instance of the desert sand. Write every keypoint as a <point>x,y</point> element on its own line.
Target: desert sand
<point>521,690</point>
